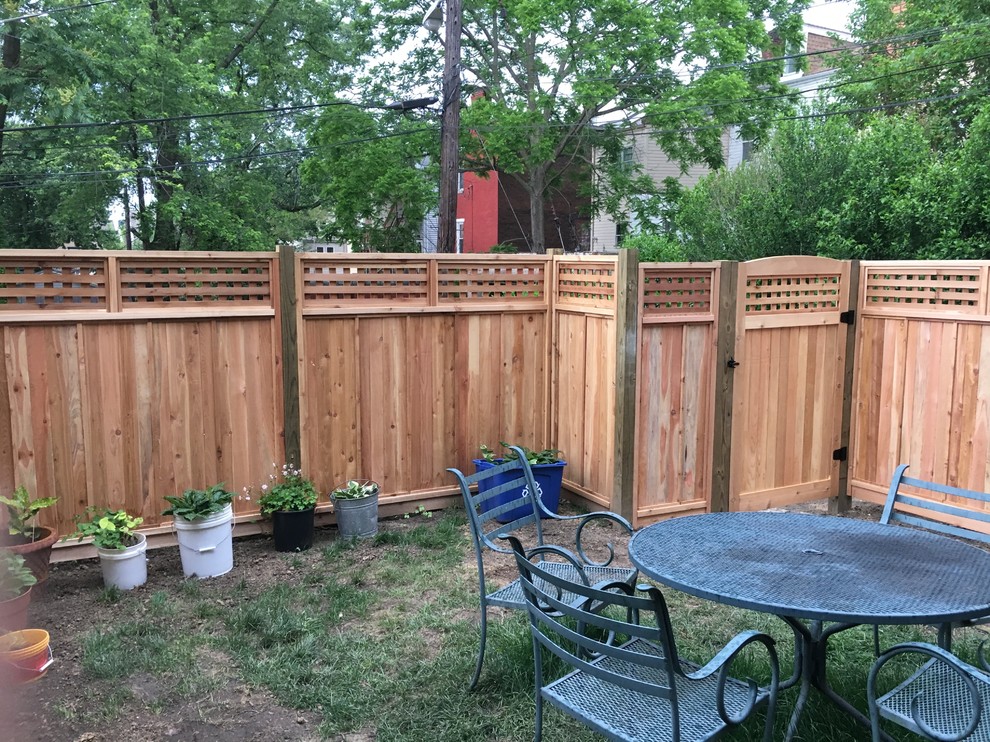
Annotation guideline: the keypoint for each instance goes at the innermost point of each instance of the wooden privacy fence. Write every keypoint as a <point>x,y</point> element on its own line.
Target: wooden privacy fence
<point>130,376</point>
<point>922,385</point>
<point>406,364</point>
<point>671,388</point>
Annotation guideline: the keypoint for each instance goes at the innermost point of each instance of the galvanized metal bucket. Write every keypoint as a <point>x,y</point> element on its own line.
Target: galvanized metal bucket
<point>357,518</point>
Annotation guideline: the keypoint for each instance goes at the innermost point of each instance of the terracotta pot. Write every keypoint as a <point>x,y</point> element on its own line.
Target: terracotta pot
<point>37,554</point>
<point>13,612</point>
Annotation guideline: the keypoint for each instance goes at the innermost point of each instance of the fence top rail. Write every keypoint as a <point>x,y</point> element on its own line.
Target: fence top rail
<point>76,254</point>
<point>421,258</point>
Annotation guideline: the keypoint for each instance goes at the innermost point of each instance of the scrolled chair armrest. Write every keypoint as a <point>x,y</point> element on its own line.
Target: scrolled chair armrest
<point>583,520</point>
<point>963,670</point>
<point>722,664</point>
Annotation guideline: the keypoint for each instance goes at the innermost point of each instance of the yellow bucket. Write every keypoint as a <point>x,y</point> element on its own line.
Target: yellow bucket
<point>25,656</point>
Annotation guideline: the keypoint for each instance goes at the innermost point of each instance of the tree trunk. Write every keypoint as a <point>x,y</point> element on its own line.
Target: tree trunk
<point>536,187</point>
<point>166,235</point>
<point>11,60</point>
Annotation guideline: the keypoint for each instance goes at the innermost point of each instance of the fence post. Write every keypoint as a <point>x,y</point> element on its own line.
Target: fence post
<point>550,405</point>
<point>626,342</point>
<point>841,502</point>
<point>288,303</point>
<point>725,346</point>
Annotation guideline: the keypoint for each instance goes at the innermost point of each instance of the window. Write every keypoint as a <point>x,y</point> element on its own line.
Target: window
<point>460,181</point>
<point>460,236</point>
<point>748,149</point>
<point>621,230</point>
<point>792,65</point>
<point>627,159</point>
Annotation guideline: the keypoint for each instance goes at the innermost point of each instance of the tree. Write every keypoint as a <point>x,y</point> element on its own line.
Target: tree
<point>221,180</point>
<point>933,51</point>
<point>548,69</point>
<point>374,178</point>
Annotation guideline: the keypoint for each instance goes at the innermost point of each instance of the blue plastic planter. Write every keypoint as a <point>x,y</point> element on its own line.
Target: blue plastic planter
<point>548,482</point>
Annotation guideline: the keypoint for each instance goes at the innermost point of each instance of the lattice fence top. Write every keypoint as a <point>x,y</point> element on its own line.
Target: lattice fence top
<point>32,284</point>
<point>328,282</point>
<point>948,289</point>
<point>198,282</point>
<point>60,280</point>
<point>421,282</point>
<point>793,294</point>
<point>586,283</point>
<point>675,291</point>
<point>465,283</point>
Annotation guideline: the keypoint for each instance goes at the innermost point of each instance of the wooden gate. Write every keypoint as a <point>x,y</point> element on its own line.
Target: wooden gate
<point>788,389</point>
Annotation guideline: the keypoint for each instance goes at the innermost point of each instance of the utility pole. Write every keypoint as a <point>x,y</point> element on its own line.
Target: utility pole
<point>450,126</point>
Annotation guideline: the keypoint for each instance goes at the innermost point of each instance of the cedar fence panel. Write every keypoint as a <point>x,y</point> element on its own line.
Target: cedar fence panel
<point>583,378</point>
<point>133,376</point>
<point>407,364</point>
<point>922,379</point>
<point>788,389</point>
<point>678,318</point>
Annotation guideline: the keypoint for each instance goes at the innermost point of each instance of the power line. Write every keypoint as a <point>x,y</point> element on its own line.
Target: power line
<point>306,150</point>
<point>187,117</point>
<point>42,14</point>
<point>217,161</point>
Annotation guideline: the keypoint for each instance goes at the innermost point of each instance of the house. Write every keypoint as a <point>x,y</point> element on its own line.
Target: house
<point>494,209</point>
<point>825,28</point>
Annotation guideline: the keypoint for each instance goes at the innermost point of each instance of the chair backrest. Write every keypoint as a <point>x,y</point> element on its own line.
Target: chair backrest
<point>967,520</point>
<point>500,499</point>
<point>599,623</point>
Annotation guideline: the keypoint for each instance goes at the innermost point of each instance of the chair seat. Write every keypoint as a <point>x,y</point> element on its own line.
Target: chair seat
<point>629,715</point>
<point>944,702</point>
<point>511,596</point>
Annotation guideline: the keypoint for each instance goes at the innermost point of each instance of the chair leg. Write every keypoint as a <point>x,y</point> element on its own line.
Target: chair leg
<point>481,648</point>
<point>538,733</point>
<point>876,640</point>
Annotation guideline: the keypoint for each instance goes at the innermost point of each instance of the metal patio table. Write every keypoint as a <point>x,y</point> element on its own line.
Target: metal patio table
<point>819,574</point>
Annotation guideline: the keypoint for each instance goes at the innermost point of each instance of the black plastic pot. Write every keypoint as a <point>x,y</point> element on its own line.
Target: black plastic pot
<point>293,529</point>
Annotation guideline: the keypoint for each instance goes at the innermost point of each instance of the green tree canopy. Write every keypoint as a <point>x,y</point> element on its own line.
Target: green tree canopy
<point>549,69</point>
<point>374,178</point>
<point>220,181</point>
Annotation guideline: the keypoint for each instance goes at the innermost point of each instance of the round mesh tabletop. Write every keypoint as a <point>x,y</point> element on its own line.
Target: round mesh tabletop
<point>817,567</point>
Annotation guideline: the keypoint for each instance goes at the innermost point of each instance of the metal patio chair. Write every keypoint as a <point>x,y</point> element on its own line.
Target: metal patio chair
<point>941,516</point>
<point>504,491</point>
<point>946,699</point>
<point>625,680</point>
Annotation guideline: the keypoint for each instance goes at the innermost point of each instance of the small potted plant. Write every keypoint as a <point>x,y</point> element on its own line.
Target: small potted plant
<point>356,506</point>
<point>121,548</point>
<point>16,581</point>
<point>22,536</point>
<point>290,499</point>
<point>548,471</point>
<point>203,524</point>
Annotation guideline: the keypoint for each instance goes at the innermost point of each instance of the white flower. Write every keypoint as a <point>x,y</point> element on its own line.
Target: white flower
<point>264,488</point>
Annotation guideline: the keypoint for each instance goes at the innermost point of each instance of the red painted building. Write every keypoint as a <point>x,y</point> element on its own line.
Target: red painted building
<point>493,209</point>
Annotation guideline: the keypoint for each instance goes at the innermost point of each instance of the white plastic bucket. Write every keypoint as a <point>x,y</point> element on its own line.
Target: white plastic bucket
<point>206,546</point>
<point>127,568</point>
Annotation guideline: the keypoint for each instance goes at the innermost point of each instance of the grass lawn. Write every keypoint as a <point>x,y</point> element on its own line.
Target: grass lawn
<point>367,641</point>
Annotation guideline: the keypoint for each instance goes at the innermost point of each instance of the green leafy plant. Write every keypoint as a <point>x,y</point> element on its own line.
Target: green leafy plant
<point>356,489</point>
<point>198,504</point>
<point>15,577</point>
<point>287,490</point>
<point>109,529</point>
<point>22,510</point>
<point>544,456</point>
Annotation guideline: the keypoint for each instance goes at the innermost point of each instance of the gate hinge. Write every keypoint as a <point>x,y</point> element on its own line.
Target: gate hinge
<point>847,318</point>
<point>840,454</point>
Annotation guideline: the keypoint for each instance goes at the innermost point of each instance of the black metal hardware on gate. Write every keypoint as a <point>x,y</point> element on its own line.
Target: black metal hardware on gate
<point>840,454</point>
<point>847,318</point>
<point>732,362</point>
